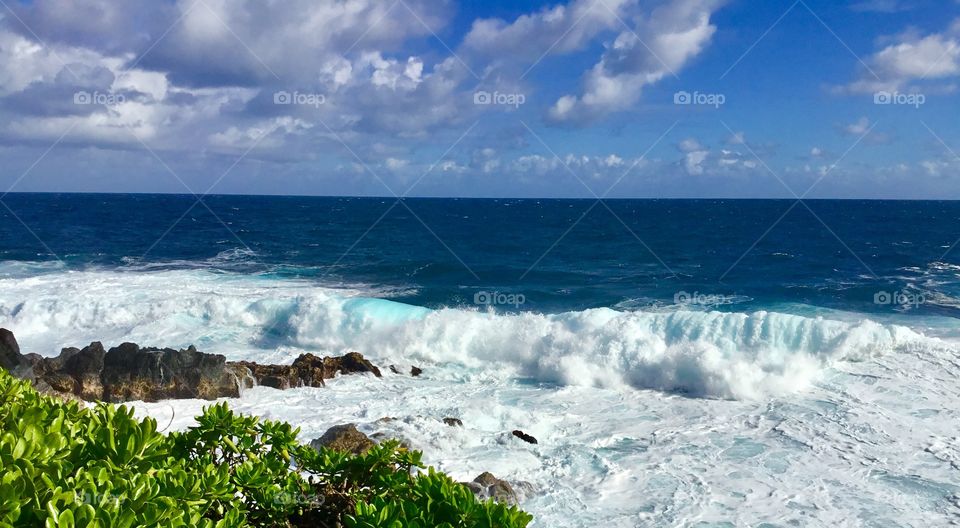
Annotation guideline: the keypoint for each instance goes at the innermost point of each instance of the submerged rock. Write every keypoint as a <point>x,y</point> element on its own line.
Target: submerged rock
<point>345,438</point>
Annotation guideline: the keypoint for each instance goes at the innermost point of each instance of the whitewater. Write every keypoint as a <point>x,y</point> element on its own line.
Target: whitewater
<point>671,417</point>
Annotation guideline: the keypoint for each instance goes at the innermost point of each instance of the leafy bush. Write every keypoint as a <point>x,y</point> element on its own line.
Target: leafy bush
<point>64,465</point>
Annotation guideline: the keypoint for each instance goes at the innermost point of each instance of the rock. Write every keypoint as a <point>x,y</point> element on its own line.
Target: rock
<point>345,438</point>
<point>279,376</point>
<point>414,371</point>
<point>129,372</point>
<point>151,374</point>
<point>524,436</point>
<point>476,488</point>
<point>243,375</point>
<point>307,370</point>
<point>74,371</point>
<point>492,487</point>
<point>11,359</point>
<point>453,422</point>
<point>523,489</point>
<point>349,363</point>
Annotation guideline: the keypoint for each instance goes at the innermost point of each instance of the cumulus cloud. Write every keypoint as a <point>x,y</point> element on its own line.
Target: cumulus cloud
<point>659,45</point>
<point>913,62</point>
<point>557,29</point>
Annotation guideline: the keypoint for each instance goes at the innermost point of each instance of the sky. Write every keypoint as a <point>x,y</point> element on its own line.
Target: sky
<point>523,98</point>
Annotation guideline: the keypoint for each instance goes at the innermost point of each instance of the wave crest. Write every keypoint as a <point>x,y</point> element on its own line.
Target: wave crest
<point>703,354</point>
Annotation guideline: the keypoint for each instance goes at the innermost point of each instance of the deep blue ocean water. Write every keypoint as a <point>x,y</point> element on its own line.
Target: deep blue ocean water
<point>553,255</point>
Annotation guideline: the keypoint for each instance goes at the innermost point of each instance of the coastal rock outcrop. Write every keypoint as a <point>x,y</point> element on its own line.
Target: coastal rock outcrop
<point>129,372</point>
<point>344,437</point>
<point>150,374</point>
<point>309,370</point>
<point>75,371</point>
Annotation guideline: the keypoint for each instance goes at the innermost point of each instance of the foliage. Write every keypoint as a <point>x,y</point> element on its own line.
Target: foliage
<point>66,465</point>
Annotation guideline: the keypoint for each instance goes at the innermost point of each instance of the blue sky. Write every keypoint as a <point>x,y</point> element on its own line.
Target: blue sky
<point>615,98</point>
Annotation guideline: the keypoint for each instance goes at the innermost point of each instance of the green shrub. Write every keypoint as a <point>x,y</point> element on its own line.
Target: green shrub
<point>64,465</point>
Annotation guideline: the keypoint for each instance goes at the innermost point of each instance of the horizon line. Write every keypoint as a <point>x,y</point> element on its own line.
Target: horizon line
<point>556,198</point>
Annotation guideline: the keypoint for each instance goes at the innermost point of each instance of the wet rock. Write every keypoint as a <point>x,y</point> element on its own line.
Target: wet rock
<point>414,371</point>
<point>524,436</point>
<point>492,487</point>
<point>307,370</point>
<point>129,372</point>
<point>278,376</point>
<point>476,488</point>
<point>349,363</point>
<point>74,371</point>
<point>453,422</point>
<point>345,438</point>
<point>151,374</point>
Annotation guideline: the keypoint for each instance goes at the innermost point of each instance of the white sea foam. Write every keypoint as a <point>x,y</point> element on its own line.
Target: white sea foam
<point>711,354</point>
<point>798,420</point>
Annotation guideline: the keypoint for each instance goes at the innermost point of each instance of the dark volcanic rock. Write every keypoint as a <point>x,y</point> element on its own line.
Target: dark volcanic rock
<point>524,436</point>
<point>129,372</point>
<point>414,371</point>
<point>75,371</point>
<point>308,370</point>
<point>350,363</point>
<point>11,359</point>
<point>345,438</point>
<point>150,374</point>
<point>277,376</point>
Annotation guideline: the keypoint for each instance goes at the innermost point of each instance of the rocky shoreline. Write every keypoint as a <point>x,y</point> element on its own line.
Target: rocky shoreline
<point>129,372</point>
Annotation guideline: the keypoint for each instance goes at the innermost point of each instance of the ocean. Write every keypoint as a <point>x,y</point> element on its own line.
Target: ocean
<point>704,363</point>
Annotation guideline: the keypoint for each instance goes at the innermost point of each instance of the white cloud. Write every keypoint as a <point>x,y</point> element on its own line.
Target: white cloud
<point>660,45</point>
<point>857,128</point>
<point>555,29</point>
<point>911,63</point>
